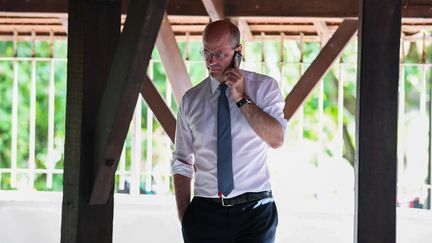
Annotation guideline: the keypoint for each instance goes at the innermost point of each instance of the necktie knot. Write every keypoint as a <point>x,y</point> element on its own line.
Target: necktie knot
<point>223,87</point>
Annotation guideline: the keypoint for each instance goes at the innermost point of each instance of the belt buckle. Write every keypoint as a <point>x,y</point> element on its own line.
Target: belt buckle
<point>224,204</point>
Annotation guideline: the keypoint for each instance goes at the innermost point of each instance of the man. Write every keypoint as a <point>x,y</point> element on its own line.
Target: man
<point>225,125</point>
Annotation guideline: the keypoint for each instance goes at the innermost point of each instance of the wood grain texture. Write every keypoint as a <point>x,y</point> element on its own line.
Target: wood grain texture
<point>126,78</point>
<point>294,8</point>
<point>90,52</point>
<point>172,60</point>
<point>161,111</point>
<point>376,121</point>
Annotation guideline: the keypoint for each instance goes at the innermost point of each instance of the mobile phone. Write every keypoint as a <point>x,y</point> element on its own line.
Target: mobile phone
<point>237,56</point>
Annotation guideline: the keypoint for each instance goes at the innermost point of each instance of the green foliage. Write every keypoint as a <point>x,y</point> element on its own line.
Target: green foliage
<point>5,113</point>
<point>24,76</point>
<point>6,49</point>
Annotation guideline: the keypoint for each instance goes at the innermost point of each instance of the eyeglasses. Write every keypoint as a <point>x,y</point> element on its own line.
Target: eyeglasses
<point>219,55</point>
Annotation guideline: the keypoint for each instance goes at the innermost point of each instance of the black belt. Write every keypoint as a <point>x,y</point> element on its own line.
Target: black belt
<point>243,198</point>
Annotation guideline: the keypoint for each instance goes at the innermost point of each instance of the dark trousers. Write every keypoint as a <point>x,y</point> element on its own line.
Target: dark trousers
<point>207,221</point>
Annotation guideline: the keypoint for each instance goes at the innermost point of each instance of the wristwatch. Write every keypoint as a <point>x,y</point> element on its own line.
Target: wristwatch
<point>244,101</point>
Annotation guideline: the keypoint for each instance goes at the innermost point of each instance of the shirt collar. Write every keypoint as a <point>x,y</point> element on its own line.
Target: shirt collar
<point>214,84</point>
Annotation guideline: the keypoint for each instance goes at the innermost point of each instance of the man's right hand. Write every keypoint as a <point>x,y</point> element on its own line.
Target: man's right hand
<point>182,188</point>
<point>181,212</point>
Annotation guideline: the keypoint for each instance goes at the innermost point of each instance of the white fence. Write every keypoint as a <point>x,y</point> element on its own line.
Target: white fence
<point>320,134</point>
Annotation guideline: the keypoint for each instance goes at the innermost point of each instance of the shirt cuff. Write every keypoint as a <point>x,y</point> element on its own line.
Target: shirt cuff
<point>182,168</point>
<point>282,121</point>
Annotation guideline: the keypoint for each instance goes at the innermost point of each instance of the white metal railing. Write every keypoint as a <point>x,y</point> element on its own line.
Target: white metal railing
<point>144,165</point>
<point>31,171</point>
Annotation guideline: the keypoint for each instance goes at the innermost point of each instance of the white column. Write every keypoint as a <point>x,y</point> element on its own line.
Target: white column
<point>32,125</point>
<point>14,115</point>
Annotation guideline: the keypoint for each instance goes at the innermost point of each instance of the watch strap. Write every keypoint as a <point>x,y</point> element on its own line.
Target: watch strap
<point>243,102</point>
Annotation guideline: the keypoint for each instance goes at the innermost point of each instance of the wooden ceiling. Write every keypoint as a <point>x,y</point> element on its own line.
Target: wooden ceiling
<point>292,8</point>
<point>188,27</point>
<point>257,19</point>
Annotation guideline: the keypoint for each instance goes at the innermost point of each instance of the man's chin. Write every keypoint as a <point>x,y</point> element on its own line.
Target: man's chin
<point>215,72</point>
<point>216,75</point>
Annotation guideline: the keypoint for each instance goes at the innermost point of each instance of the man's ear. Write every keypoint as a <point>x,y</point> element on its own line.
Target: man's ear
<point>239,49</point>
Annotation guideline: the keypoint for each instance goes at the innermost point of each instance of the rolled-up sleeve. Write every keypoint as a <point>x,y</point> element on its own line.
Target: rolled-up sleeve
<point>272,101</point>
<point>183,156</point>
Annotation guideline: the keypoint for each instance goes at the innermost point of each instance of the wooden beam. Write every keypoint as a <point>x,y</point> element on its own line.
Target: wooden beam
<point>46,6</point>
<point>30,20</point>
<point>323,31</point>
<point>245,31</point>
<point>64,21</point>
<point>215,9</point>
<point>294,8</point>
<point>376,121</point>
<point>188,29</point>
<point>157,104</point>
<point>258,28</point>
<point>172,60</point>
<point>319,67</point>
<point>90,52</point>
<point>121,92</point>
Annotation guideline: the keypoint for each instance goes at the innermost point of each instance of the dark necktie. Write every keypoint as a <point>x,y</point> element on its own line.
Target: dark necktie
<point>224,151</point>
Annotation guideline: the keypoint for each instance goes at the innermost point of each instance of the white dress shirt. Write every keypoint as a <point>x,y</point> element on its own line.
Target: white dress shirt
<point>196,135</point>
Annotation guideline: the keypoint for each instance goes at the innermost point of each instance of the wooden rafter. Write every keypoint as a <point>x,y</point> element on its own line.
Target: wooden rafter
<point>64,21</point>
<point>323,31</point>
<point>125,81</point>
<point>172,60</point>
<point>311,8</point>
<point>319,67</point>
<point>215,9</point>
<point>245,31</point>
<point>191,27</point>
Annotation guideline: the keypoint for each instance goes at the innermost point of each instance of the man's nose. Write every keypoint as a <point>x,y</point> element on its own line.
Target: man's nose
<point>211,59</point>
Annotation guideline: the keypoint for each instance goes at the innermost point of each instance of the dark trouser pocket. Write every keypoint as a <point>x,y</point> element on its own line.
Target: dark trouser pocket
<point>187,212</point>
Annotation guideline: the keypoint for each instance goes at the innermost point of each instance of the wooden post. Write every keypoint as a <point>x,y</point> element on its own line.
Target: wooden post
<point>125,80</point>
<point>91,47</point>
<point>376,120</point>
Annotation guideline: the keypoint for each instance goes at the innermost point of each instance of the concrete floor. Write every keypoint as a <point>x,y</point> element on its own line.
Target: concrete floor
<point>154,220</point>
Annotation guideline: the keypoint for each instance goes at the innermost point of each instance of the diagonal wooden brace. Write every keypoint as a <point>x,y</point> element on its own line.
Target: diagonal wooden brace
<point>172,60</point>
<point>319,67</point>
<point>157,104</point>
<point>125,81</point>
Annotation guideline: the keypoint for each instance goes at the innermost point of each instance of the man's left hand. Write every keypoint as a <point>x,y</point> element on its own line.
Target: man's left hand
<point>234,79</point>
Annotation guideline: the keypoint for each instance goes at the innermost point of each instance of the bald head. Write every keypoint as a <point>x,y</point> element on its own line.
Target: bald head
<point>222,29</point>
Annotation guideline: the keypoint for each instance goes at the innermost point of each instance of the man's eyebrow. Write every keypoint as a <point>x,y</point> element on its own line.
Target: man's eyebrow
<point>220,50</point>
